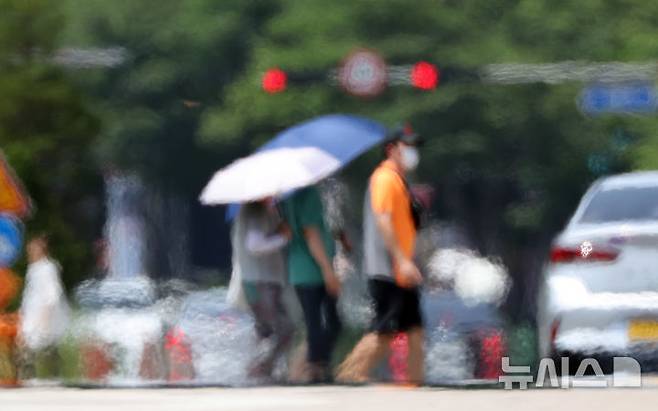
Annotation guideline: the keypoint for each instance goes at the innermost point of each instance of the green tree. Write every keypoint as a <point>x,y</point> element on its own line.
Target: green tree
<point>180,56</point>
<point>46,131</point>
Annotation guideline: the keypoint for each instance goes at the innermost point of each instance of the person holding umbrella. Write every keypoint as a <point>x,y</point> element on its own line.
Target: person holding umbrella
<point>390,224</point>
<point>311,272</point>
<point>302,156</point>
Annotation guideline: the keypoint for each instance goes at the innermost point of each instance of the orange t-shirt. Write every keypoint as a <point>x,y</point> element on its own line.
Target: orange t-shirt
<point>388,194</point>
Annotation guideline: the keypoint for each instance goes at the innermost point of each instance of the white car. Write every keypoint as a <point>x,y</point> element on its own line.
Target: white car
<point>599,296</point>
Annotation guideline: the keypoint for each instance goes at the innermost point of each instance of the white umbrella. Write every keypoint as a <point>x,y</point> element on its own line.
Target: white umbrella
<point>268,173</point>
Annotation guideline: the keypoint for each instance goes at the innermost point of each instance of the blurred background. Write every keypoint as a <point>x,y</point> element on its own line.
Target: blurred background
<point>114,115</point>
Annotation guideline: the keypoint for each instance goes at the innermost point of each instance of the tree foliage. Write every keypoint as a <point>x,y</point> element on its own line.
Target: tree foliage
<point>180,56</point>
<point>46,130</point>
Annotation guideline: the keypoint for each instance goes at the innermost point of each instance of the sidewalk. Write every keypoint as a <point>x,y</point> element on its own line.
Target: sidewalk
<point>321,398</point>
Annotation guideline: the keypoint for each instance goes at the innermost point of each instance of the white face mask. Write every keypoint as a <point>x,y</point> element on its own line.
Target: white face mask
<point>410,158</point>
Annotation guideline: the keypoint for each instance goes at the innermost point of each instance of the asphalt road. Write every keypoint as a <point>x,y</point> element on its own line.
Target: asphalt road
<point>380,398</point>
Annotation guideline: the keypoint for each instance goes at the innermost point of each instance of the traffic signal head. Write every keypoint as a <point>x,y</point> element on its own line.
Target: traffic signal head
<point>274,80</point>
<point>424,76</point>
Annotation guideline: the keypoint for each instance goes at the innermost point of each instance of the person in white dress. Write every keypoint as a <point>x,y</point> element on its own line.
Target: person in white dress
<point>44,311</point>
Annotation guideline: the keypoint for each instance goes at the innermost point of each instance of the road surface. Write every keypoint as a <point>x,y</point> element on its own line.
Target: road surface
<point>321,398</point>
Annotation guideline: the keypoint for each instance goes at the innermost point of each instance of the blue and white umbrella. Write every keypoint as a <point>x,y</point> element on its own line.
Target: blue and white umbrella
<point>297,157</point>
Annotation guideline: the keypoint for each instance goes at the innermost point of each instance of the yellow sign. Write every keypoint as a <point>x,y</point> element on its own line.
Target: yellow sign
<point>643,330</point>
<point>12,197</point>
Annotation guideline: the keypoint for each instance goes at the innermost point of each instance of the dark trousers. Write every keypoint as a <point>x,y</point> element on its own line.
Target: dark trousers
<point>322,322</point>
<point>271,319</point>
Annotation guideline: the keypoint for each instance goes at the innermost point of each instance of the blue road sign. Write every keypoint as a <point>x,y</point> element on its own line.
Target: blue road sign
<point>638,98</point>
<point>11,240</point>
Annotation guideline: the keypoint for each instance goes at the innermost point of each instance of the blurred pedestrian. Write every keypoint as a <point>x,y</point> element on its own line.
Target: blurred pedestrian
<point>44,313</point>
<point>259,239</point>
<point>390,224</point>
<point>310,266</point>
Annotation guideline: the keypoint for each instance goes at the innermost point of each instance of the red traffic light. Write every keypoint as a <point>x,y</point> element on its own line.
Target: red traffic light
<point>275,80</point>
<point>425,76</point>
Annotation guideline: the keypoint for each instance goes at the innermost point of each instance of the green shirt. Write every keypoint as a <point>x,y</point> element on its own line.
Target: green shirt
<point>304,209</point>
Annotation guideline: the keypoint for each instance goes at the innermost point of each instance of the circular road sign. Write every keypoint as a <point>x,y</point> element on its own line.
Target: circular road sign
<point>363,73</point>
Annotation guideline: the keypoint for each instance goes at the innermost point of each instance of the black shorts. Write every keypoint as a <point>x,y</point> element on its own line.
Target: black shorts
<point>397,309</point>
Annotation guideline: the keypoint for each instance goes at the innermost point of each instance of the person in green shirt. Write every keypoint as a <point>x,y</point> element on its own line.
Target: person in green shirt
<point>310,267</point>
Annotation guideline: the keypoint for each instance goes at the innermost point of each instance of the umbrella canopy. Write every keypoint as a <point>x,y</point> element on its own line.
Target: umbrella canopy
<point>343,136</point>
<point>320,146</point>
<point>268,173</point>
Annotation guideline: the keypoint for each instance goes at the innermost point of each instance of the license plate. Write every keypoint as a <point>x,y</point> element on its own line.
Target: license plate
<point>643,330</point>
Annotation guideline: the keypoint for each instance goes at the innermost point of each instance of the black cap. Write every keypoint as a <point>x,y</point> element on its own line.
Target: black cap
<point>405,134</point>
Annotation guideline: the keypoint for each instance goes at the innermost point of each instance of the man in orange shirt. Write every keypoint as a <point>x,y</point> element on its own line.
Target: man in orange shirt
<point>393,278</point>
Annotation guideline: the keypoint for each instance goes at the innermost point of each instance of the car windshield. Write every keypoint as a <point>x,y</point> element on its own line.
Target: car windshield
<point>622,204</point>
